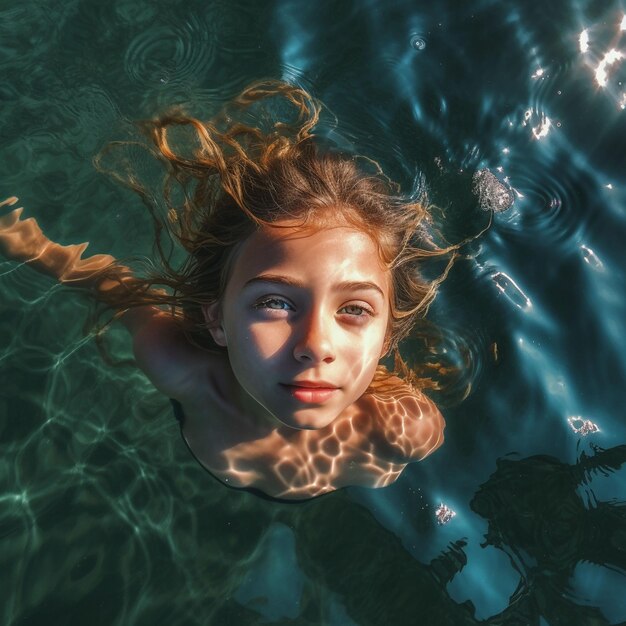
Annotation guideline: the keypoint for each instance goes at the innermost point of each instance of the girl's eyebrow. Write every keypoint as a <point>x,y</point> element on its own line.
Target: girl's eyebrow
<point>348,285</point>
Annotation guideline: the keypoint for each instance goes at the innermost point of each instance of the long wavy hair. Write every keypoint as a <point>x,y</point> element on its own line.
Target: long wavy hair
<point>254,164</point>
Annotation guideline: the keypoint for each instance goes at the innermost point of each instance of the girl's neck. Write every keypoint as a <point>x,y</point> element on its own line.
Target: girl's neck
<point>252,412</point>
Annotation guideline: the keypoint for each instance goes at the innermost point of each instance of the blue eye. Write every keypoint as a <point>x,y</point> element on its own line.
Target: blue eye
<point>356,310</point>
<point>274,304</point>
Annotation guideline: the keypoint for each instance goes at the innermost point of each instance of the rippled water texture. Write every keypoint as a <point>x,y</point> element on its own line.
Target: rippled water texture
<point>521,517</point>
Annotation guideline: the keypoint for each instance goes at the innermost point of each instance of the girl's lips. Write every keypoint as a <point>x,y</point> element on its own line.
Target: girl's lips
<point>312,395</point>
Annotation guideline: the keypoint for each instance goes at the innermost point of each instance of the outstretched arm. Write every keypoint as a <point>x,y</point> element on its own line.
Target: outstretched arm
<point>23,241</point>
<point>160,347</point>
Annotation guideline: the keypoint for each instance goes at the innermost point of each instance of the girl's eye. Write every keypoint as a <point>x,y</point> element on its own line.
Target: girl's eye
<point>356,310</point>
<point>274,304</point>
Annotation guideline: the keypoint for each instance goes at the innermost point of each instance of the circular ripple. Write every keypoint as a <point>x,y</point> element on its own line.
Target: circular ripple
<point>551,204</point>
<point>418,42</point>
<point>89,113</point>
<point>452,358</point>
<point>166,54</point>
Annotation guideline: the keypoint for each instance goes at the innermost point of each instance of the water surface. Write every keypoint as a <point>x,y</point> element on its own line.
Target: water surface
<point>104,517</point>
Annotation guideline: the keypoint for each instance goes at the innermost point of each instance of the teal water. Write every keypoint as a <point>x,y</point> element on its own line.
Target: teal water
<point>105,518</point>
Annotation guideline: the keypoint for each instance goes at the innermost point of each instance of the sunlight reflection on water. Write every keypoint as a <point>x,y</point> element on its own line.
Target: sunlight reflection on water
<point>102,505</point>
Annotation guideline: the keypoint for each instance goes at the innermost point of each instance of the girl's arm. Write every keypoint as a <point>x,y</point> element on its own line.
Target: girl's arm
<point>159,344</point>
<point>23,241</point>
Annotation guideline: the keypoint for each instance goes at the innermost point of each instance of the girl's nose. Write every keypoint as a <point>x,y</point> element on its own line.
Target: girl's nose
<point>314,343</point>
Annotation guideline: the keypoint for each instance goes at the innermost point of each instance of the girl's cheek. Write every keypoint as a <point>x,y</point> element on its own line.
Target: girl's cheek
<point>266,340</point>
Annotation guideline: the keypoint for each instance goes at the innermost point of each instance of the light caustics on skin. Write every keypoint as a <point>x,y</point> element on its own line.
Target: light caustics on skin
<point>364,439</point>
<point>369,446</point>
<point>305,307</point>
<point>286,312</point>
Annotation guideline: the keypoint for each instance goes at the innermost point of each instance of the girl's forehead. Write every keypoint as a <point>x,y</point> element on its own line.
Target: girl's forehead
<point>284,239</point>
<point>337,251</point>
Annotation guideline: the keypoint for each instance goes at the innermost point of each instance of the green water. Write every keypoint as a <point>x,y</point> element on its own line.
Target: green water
<point>104,516</point>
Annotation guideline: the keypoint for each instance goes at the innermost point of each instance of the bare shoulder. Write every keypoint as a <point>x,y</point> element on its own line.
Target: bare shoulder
<point>412,426</point>
<point>175,366</point>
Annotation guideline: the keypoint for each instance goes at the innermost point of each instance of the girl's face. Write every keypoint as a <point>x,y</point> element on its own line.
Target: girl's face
<point>304,317</point>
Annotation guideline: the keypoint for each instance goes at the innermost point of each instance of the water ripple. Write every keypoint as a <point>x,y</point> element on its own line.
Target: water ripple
<point>171,53</point>
<point>135,11</point>
<point>91,453</point>
<point>549,204</point>
<point>90,113</point>
<point>417,41</point>
<point>455,359</point>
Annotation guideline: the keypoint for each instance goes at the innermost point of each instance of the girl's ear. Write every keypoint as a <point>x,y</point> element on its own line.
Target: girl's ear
<point>213,319</point>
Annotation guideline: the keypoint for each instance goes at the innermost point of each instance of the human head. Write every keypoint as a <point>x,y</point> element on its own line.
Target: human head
<point>303,306</point>
<point>242,179</point>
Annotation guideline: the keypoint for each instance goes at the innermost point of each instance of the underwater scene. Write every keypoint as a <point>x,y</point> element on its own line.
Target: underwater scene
<point>511,114</point>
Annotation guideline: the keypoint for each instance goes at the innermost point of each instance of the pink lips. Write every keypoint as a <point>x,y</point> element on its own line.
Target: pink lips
<point>312,392</point>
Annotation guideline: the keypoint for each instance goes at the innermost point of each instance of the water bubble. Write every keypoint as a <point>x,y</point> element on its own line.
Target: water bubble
<point>418,42</point>
<point>493,195</point>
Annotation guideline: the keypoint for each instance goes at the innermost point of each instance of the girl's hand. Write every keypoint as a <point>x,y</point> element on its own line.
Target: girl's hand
<point>23,241</point>
<point>20,240</point>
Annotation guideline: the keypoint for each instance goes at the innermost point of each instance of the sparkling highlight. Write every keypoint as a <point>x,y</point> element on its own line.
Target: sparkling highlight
<point>543,128</point>
<point>582,426</point>
<point>444,514</point>
<point>583,41</point>
<point>610,57</point>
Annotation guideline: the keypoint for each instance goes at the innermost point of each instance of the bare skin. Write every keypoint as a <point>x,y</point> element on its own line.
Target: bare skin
<point>298,308</point>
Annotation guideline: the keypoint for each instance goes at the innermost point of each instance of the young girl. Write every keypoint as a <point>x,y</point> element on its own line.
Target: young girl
<point>302,273</point>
